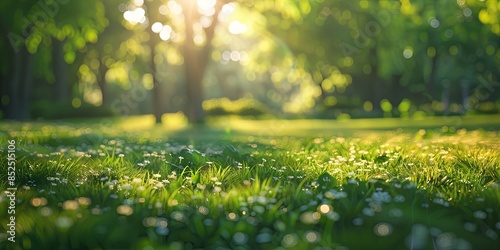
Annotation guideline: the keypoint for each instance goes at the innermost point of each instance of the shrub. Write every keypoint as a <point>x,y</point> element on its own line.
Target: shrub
<point>242,107</point>
<point>56,110</point>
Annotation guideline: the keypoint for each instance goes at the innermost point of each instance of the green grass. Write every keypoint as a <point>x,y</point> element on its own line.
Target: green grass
<point>267,184</point>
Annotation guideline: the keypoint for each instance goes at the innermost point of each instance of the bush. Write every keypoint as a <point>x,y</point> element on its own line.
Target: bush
<point>56,110</point>
<point>241,107</point>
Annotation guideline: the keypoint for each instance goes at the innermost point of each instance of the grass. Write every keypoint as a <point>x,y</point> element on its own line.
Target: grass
<point>268,184</point>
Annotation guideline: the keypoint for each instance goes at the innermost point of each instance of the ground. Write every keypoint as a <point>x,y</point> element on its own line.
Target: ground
<point>126,183</point>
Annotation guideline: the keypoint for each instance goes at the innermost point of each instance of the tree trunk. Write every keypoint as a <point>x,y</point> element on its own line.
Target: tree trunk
<point>27,86</point>
<point>445,95</point>
<point>62,87</point>
<point>157,87</point>
<point>13,107</point>
<point>101,81</point>
<point>21,87</point>
<point>432,76</point>
<point>152,43</point>
<point>4,78</point>
<point>196,61</point>
<point>465,94</point>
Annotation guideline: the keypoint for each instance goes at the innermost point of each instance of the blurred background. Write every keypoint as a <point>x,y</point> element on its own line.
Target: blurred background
<point>329,59</point>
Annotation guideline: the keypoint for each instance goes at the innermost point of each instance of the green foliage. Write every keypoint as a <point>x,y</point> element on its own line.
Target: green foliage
<point>54,110</point>
<point>242,107</point>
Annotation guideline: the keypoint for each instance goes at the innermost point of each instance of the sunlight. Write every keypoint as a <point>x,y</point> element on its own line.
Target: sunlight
<point>166,32</point>
<point>236,27</point>
<point>228,9</point>
<point>199,40</point>
<point>174,7</point>
<point>135,16</point>
<point>163,10</point>
<point>138,2</point>
<point>156,27</point>
<point>206,7</point>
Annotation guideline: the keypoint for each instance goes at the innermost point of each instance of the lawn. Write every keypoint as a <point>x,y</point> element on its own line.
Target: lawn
<point>253,184</point>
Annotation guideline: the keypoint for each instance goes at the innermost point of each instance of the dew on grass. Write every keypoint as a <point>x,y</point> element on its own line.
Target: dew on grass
<point>203,210</point>
<point>162,231</point>
<point>252,221</point>
<point>480,214</point>
<point>46,211</point>
<point>309,217</point>
<point>312,236</point>
<point>96,211</point>
<point>491,234</point>
<point>378,198</point>
<point>128,202</point>
<point>382,229</point>
<point>36,202</point>
<point>289,240</point>
<point>232,216</point>
<point>178,216</point>
<point>435,231</point>
<point>240,238</point>
<point>410,185</point>
<point>263,238</point>
<point>442,202</point>
<point>446,240</point>
<point>358,221</point>
<point>325,208</point>
<point>63,222</point>
<point>70,205</point>
<point>124,210</point>
<point>396,212</point>
<point>418,237</point>
<point>469,226</point>
<point>259,209</point>
<point>352,181</point>
<point>368,211</point>
<point>399,198</point>
<point>333,216</point>
<point>149,222</point>
<point>208,222</point>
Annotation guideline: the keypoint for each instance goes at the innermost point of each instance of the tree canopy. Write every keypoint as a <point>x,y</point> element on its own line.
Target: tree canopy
<point>296,57</point>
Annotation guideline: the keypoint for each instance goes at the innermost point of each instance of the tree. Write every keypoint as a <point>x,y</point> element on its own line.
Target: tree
<point>34,27</point>
<point>196,51</point>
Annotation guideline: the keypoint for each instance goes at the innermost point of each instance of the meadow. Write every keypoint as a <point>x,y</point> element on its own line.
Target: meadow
<point>126,183</point>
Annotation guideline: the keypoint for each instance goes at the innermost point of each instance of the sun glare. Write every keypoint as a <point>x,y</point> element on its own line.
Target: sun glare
<point>135,16</point>
<point>206,7</point>
<point>166,32</point>
<point>175,8</point>
<point>156,27</point>
<point>138,2</point>
<point>236,27</point>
